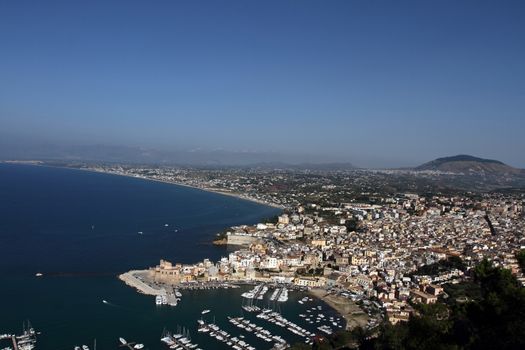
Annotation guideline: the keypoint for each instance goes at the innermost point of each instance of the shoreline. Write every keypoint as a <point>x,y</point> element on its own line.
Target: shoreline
<point>205,189</point>
<point>350,311</point>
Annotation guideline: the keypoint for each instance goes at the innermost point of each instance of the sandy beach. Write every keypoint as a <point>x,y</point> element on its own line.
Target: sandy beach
<point>352,313</point>
<point>207,189</point>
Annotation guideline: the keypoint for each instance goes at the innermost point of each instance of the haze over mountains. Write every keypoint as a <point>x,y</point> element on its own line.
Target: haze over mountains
<point>461,164</point>
<point>467,164</point>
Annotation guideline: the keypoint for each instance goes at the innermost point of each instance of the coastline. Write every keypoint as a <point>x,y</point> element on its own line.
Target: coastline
<point>350,311</point>
<point>206,189</point>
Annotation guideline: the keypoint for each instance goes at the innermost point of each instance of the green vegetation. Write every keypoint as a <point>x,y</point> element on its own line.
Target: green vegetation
<point>311,272</point>
<point>352,224</point>
<point>271,220</point>
<point>452,262</point>
<point>520,256</point>
<point>462,292</point>
<point>494,321</point>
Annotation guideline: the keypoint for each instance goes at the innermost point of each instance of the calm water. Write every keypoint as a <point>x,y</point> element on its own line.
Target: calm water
<point>81,229</point>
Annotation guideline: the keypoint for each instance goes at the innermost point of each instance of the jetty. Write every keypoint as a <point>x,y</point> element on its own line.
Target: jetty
<point>277,319</point>
<point>215,332</point>
<point>135,279</point>
<point>258,331</point>
<point>180,341</point>
<point>25,341</point>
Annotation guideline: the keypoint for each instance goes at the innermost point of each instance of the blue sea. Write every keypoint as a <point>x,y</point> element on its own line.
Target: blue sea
<point>81,229</point>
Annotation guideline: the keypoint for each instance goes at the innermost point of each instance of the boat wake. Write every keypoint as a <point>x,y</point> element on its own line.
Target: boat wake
<point>108,303</point>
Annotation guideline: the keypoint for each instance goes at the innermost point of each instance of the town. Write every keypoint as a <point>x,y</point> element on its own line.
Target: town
<point>367,247</point>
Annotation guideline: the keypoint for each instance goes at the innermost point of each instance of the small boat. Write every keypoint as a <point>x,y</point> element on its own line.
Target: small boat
<point>138,346</point>
<point>166,225</point>
<point>122,341</point>
<point>38,274</point>
<point>158,300</point>
<point>140,232</point>
<point>85,347</point>
<point>205,312</point>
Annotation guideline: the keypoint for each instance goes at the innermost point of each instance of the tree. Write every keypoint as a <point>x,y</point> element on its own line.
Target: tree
<point>520,256</point>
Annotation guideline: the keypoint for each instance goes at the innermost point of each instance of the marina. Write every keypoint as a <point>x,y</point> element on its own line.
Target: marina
<point>256,293</point>
<point>258,331</point>
<point>178,341</point>
<point>279,320</point>
<point>25,341</point>
<point>222,336</point>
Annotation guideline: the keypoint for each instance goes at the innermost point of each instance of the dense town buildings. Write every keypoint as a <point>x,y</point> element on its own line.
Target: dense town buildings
<point>353,233</point>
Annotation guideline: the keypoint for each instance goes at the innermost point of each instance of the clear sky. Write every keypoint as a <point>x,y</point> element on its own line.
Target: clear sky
<point>377,83</point>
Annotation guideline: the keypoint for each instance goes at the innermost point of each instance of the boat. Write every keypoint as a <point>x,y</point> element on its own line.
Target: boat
<point>140,232</point>
<point>158,300</point>
<point>138,346</point>
<point>85,347</point>
<point>38,274</point>
<point>105,301</point>
<point>205,311</point>
<point>122,341</point>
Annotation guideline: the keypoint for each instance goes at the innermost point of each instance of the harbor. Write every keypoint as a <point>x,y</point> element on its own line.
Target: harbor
<point>220,307</point>
<point>80,299</point>
<point>25,341</point>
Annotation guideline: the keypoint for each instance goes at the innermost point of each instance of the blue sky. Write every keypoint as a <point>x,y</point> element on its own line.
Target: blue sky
<point>377,83</point>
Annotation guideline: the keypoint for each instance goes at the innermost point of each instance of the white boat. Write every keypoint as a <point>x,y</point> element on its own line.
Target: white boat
<point>38,274</point>
<point>122,341</point>
<point>158,300</point>
<point>85,347</point>
<point>205,311</point>
<point>105,301</point>
<point>138,346</point>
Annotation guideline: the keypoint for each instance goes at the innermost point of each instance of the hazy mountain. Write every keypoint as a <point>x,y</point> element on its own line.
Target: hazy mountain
<point>48,151</point>
<point>467,164</point>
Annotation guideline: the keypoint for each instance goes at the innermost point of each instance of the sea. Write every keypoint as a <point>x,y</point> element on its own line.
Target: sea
<point>82,229</point>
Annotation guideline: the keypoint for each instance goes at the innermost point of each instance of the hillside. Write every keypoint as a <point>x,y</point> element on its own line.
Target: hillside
<point>470,165</point>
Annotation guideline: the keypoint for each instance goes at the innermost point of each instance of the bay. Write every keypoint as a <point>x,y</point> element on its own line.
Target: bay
<point>81,229</point>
